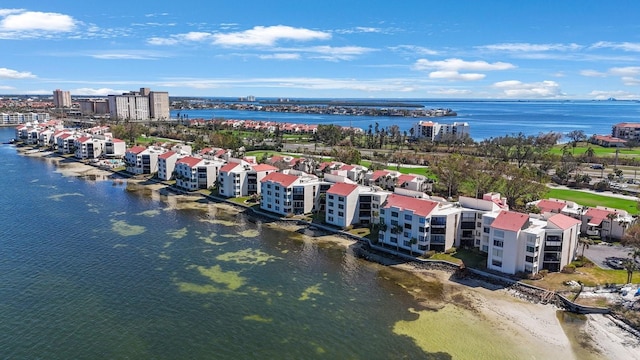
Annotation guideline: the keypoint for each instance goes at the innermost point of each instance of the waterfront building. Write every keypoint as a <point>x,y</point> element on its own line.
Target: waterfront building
<point>194,173</point>
<point>286,193</point>
<point>526,243</point>
<point>417,225</point>
<point>167,164</point>
<point>609,224</point>
<point>142,160</point>
<point>65,142</point>
<point>437,132</point>
<point>241,178</point>
<point>88,147</point>
<point>61,99</point>
<point>350,204</point>
<point>23,118</point>
<point>139,105</point>
<point>626,131</point>
<point>115,148</point>
<point>470,229</point>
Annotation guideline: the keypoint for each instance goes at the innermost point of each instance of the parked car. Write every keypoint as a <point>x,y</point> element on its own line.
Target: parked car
<point>597,166</point>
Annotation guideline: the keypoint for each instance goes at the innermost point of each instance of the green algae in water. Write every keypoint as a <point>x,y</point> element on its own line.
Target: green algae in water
<point>250,233</point>
<point>219,222</point>
<point>231,279</point>
<point>149,213</point>
<point>178,234</point>
<point>248,256</point>
<point>230,236</point>
<point>257,318</point>
<point>311,290</point>
<point>59,197</point>
<point>210,239</point>
<point>123,229</point>
<point>454,331</point>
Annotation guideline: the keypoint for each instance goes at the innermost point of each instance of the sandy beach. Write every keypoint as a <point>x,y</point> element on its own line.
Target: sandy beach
<point>534,329</point>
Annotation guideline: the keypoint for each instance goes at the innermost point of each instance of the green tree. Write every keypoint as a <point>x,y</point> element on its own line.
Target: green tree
<point>585,242</point>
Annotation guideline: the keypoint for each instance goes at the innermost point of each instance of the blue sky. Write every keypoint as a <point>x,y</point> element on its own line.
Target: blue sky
<point>497,49</point>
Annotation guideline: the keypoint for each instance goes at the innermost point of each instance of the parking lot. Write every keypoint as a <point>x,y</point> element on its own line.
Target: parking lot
<point>601,254</point>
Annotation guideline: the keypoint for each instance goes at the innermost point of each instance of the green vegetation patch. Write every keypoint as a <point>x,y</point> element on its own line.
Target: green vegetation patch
<point>257,318</point>
<point>219,222</point>
<point>178,234</point>
<point>230,279</point>
<point>122,228</point>
<point>592,200</point>
<point>308,293</point>
<point>248,256</point>
<point>250,233</point>
<point>149,213</point>
<point>210,239</point>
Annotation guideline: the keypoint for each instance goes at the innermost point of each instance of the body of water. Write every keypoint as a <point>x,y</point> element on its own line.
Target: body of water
<point>486,118</point>
<point>111,269</point>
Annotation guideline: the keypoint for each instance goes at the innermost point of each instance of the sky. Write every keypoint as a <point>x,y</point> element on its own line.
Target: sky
<point>412,49</point>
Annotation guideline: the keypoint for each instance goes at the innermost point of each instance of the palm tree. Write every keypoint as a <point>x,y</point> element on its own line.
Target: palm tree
<point>635,253</point>
<point>630,266</point>
<point>585,242</point>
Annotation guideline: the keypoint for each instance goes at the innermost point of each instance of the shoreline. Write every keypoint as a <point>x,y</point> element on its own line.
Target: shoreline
<point>536,324</point>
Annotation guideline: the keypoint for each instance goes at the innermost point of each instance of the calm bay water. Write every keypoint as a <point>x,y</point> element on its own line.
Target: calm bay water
<point>486,118</point>
<point>102,269</point>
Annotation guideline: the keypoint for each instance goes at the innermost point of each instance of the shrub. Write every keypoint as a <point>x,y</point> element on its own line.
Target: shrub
<point>537,276</point>
<point>429,254</point>
<point>451,250</point>
<point>544,272</point>
<point>569,269</point>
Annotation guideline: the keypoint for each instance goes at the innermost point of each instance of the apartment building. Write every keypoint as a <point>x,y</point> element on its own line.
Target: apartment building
<point>434,131</point>
<point>519,242</point>
<point>341,204</point>
<point>417,225</point>
<point>286,193</point>
<point>139,105</point>
<point>194,173</point>
<point>167,164</point>
<point>142,160</point>
<point>241,178</point>
<point>471,212</point>
<point>61,99</point>
<point>88,147</point>
<point>627,131</point>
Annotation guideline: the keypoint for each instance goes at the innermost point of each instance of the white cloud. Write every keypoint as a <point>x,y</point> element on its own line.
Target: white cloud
<point>268,36</point>
<point>630,81</point>
<point>454,64</point>
<point>592,73</point>
<point>194,36</point>
<point>527,47</point>
<point>37,21</point>
<point>337,53</point>
<point>281,56</point>
<point>13,74</point>
<point>4,87</point>
<point>518,89</point>
<point>451,92</point>
<point>451,69</point>
<point>96,92</point>
<point>625,46</point>
<point>625,71</point>
<point>414,50</point>
<point>454,75</point>
<point>5,12</point>
<point>127,55</point>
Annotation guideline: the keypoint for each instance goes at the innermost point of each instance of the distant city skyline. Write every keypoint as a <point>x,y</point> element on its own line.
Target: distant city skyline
<point>324,49</point>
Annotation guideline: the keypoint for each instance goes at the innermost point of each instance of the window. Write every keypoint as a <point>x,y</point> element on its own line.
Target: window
<point>407,226</point>
<point>330,197</point>
<point>421,229</point>
<point>394,214</point>
<point>381,211</point>
<point>394,222</point>
<point>407,234</point>
<point>497,263</point>
<point>340,213</point>
<point>498,243</point>
<point>407,243</point>
<point>277,201</point>
<point>330,218</point>
<point>497,252</point>
<point>531,249</point>
<point>528,259</point>
<point>393,240</point>
<point>421,220</point>
<point>485,230</point>
<point>408,217</point>
<point>330,211</point>
<point>330,203</point>
<point>498,233</point>
<point>340,206</point>
<point>277,188</point>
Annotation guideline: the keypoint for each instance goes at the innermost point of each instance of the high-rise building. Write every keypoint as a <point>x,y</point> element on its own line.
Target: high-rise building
<point>61,99</point>
<point>140,105</point>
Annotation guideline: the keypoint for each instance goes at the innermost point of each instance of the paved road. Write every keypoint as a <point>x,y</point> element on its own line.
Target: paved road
<point>601,252</point>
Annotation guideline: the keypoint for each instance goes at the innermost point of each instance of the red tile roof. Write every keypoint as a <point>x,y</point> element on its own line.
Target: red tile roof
<point>563,221</point>
<point>633,125</point>
<point>547,205</point>
<point>166,155</point>
<point>421,207</point>
<point>379,173</point>
<point>283,179</point>
<point>117,140</point>
<point>342,189</point>
<point>137,149</point>
<point>347,167</point>
<point>405,178</point>
<point>264,167</point>
<point>510,221</point>
<point>83,139</point>
<point>229,166</point>
<point>597,215</point>
<point>189,161</point>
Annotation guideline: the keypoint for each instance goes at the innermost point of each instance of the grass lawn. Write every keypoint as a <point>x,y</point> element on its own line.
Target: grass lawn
<point>589,199</point>
<point>471,258</point>
<point>588,276</point>
<point>599,151</point>
<point>425,171</point>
